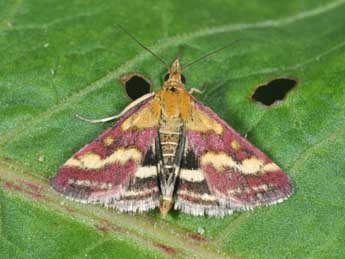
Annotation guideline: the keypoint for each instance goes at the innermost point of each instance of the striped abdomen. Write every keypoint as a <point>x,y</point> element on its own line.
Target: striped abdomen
<point>171,142</point>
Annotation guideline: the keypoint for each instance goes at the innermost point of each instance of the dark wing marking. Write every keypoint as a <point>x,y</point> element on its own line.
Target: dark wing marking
<point>237,174</point>
<point>117,169</point>
<point>193,194</point>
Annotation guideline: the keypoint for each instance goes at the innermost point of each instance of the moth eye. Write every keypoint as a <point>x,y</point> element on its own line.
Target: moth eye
<point>183,79</point>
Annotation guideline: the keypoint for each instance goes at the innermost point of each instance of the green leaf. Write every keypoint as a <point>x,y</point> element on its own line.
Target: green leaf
<point>61,57</point>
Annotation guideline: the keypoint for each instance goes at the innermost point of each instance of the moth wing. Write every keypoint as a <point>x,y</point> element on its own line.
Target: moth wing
<point>222,172</point>
<point>118,168</point>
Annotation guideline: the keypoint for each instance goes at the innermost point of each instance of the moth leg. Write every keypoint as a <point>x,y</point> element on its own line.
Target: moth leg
<point>130,106</point>
<point>195,90</point>
<point>99,120</point>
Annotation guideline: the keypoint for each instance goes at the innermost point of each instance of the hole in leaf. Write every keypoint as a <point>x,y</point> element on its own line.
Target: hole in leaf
<point>136,85</point>
<point>274,91</point>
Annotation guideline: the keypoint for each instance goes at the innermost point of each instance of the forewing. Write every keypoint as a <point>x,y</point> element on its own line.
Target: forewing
<point>228,173</point>
<point>118,168</point>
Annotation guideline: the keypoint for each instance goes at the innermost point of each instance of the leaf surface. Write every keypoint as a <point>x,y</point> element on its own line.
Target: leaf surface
<point>59,58</point>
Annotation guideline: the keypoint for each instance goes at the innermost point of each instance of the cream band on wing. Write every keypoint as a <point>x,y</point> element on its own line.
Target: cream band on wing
<point>204,196</point>
<point>94,161</point>
<point>192,175</point>
<point>248,166</point>
<point>142,192</point>
<point>146,171</point>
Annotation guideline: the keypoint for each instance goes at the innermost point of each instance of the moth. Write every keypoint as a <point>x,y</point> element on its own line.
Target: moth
<point>168,150</point>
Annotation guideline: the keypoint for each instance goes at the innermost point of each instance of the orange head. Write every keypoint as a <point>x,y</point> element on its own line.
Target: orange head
<point>174,78</point>
<point>174,99</point>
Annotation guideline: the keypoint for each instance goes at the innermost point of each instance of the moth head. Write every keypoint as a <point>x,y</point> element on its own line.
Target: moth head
<point>175,77</point>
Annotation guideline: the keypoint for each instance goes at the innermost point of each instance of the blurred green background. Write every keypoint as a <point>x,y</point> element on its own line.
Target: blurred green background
<point>58,58</point>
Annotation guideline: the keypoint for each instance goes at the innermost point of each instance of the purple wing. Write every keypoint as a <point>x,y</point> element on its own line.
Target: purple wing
<point>118,168</point>
<point>222,172</point>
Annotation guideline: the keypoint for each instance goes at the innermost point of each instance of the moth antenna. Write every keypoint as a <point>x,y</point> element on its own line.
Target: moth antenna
<point>143,46</point>
<point>209,54</point>
<point>180,52</point>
